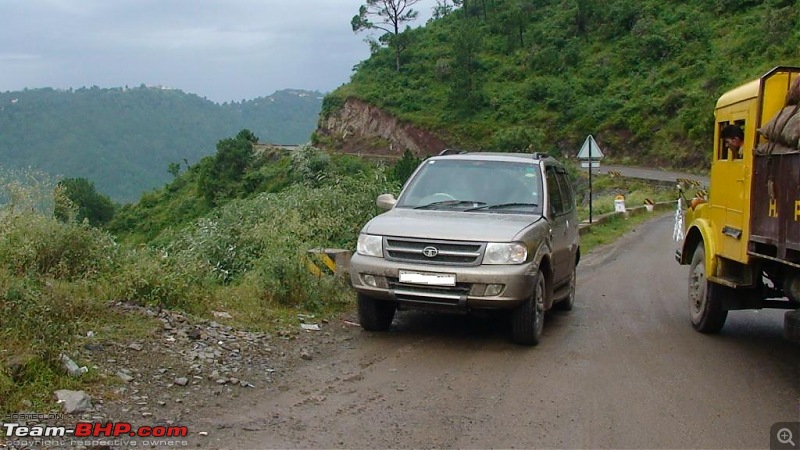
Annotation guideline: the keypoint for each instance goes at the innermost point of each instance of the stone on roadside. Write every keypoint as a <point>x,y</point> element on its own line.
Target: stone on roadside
<point>74,401</point>
<point>124,376</point>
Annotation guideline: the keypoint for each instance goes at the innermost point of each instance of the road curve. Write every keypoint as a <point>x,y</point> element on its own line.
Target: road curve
<point>624,369</point>
<point>649,173</point>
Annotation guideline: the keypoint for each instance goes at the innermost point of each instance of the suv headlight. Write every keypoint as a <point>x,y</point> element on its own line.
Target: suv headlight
<point>370,245</point>
<point>505,253</point>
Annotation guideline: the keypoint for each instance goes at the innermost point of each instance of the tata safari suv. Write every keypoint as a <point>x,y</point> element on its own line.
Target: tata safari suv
<point>472,231</point>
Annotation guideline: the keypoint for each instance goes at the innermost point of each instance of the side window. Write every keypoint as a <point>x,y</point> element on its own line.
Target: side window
<point>554,191</point>
<point>566,191</point>
<point>731,140</point>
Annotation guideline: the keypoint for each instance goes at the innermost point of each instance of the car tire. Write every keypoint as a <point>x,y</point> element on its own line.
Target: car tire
<point>375,315</point>
<point>568,303</point>
<point>705,297</point>
<point>527,319</point>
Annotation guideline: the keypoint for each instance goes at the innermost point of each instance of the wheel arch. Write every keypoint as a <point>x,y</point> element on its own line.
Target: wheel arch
<point>545,266</point>
<point>699,231</point>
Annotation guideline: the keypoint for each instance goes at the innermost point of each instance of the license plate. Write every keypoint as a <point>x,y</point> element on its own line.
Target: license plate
<point>429,278</point>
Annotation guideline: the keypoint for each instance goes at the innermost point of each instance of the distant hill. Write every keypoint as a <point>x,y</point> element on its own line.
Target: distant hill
<point>123,139</point>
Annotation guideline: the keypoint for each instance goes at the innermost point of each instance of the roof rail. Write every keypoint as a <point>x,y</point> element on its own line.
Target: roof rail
<point>540,155</point>
<point>451,151</point>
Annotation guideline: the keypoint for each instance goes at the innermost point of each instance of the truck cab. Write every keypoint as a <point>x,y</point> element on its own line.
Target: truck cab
<point>742,243</point>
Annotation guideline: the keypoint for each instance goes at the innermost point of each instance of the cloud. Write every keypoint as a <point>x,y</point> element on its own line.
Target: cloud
<point>222,49</point>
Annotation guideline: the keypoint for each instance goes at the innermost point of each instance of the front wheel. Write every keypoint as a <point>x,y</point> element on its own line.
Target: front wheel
<point>705,299</point>
<point>527,320</point>
<point>375,315</point>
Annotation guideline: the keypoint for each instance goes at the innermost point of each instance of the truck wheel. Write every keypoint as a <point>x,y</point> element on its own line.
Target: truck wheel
<point>568,303</point>
<point>527,320</point>
<point>791,326</point>
<point>705,299</point>
<point>375,315</point>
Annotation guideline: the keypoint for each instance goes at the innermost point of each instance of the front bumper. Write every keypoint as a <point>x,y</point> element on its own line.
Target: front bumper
<point>380,279</point>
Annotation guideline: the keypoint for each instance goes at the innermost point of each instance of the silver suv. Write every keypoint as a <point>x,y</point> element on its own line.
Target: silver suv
<point>472,231</point>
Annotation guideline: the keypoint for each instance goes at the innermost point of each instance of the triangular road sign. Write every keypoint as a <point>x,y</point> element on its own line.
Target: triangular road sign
<point>590,149</point>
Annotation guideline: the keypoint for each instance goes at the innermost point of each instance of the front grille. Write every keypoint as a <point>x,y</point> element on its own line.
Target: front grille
<point>447,252</point>
<point>458,289</point>
<point>432,295</point>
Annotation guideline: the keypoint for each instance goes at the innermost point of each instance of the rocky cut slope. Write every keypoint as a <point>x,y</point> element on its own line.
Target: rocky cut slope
<point>362,129</point>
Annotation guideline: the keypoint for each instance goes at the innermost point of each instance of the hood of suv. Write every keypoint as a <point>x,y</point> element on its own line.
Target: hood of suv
<point>451,225</point>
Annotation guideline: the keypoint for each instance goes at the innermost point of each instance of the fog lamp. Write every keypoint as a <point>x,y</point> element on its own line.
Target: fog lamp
<point>493,289</point>
<point>370,280</point>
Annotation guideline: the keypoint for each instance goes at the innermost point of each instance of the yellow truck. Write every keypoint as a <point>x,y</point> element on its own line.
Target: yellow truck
<point>742,243</point>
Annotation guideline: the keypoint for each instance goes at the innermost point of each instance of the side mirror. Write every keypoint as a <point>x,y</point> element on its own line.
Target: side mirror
<point>386,201</point>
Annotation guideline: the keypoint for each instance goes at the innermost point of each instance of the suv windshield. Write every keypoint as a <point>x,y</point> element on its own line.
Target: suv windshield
<point>475,185</point>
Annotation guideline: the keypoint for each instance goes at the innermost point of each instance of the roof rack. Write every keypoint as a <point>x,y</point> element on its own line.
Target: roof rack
<point>451,151</point>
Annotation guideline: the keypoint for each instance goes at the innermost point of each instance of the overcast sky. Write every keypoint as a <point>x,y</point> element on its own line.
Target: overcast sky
<point>223,50</point>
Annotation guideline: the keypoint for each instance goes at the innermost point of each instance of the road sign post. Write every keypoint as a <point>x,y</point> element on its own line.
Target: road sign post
<point>588,153</point>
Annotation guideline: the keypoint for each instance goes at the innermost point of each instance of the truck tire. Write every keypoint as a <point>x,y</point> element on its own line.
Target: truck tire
<point>527,319</point>
<point>705,297</point>
<point>375,315</point>
<point>791,326</point>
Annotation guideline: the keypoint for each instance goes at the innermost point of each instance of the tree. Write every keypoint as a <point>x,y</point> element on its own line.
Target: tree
<point>443,9</point>
<point>405,167</point>
<point>174,169</point>
<point>221,175</point>
<point>465,87</point>
<point>80,199</point>
<point>392,14</point>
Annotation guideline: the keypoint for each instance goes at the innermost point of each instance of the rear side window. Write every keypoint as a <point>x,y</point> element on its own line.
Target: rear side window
<point>566,190</point>
<point>559,187</point>
<point>557,204</point>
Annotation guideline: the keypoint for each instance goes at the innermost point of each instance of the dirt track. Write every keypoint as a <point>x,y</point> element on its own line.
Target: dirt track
<point>623,370</point>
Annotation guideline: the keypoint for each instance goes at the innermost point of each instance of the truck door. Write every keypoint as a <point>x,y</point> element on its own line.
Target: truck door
<point>730,187</point>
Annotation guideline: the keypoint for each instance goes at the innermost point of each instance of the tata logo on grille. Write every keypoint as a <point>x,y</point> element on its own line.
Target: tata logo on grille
<point>430,251</point>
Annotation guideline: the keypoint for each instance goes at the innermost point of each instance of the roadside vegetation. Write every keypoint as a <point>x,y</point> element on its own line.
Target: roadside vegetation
<point>642,76</point>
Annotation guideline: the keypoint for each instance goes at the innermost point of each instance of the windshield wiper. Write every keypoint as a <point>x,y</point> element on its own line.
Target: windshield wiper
<point>450,203</point>
<point>502,206</point>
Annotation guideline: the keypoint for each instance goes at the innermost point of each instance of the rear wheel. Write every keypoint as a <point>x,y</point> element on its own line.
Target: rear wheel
<point>568,303</point>
<point>527,320</point>
<point>705,299</point>
<point>375,315</point>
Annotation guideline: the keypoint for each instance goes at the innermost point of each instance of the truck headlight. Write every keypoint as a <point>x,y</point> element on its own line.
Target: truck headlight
<point>370,245</point>
<point>505,253</point>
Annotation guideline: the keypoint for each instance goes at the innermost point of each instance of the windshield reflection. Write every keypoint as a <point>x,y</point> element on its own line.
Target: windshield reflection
<point>467,185</point>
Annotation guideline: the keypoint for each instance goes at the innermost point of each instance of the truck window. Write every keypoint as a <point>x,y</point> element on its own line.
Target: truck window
<point>731,140</point>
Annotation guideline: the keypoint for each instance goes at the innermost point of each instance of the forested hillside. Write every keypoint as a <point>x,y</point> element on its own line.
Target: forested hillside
<point>124,139</point>
<point>642,76</point>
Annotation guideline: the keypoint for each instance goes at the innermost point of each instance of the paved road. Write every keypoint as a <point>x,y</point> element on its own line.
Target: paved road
<point>649,174</point>
<point>623,370</point>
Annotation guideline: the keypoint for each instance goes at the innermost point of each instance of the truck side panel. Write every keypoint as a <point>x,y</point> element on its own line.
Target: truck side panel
<point>775,189</point>
<point>775,222</point>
